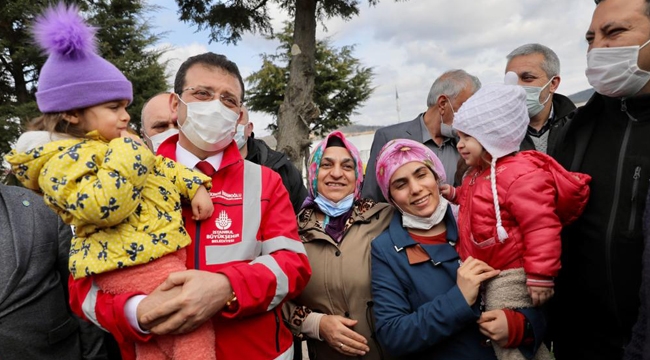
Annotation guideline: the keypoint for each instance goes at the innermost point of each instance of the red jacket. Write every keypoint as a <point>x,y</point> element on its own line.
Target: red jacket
<point>256,247</point>
<point>536,196</point>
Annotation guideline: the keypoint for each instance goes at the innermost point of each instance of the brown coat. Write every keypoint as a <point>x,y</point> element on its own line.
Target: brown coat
<point>340,282</point>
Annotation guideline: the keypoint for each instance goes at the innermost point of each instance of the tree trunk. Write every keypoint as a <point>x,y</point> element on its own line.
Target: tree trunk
<point>298,110</point>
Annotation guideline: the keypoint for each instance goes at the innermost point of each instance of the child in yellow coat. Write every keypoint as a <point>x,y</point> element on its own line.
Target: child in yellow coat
<point>124,202</point>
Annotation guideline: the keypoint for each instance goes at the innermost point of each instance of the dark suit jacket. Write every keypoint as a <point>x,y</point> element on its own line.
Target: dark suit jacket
<point>35,321</point>
<point>408,130</point>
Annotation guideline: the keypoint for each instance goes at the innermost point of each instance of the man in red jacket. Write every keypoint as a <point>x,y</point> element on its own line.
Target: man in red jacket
<point>246,260</point>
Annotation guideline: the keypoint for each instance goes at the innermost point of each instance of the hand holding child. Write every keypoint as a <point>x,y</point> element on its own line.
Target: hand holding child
<point>540,294</point>
<point>202,206</point>
<point>470,274</point>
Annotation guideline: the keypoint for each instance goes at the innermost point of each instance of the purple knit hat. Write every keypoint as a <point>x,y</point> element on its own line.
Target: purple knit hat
<point>399,152</point>
<point>74,76</point>
<point>317,156</point>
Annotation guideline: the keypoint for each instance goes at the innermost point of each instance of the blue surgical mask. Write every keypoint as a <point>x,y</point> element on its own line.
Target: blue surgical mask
<point>334,209</point>
<point>532,98</point>
<point>240,136</point>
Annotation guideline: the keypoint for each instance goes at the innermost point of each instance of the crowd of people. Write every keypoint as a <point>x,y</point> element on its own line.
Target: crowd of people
<point>501,223</point>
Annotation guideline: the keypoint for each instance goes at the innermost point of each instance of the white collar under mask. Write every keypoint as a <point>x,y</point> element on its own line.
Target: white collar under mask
<point>425,223</point>
<point>209,125</point>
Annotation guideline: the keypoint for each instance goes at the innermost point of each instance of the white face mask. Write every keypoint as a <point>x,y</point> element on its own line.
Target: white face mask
<point>240,136</point>
<point>209,125</point>
<point>425,223</point>
<point>532,98</point>
<point>615,72</point>
<point>158,139</point>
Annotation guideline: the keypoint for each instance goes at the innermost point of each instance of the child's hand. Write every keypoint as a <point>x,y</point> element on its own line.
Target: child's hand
<point>202,207</point>
<point>540,294</point>
<point>136,138</point>
<point>448,192</point>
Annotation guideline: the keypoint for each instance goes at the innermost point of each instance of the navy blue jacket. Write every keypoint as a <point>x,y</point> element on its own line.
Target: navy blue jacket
<point>419,309</point>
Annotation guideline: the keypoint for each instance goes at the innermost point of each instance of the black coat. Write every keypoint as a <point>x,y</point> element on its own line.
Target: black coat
<point>261,154</point>
<point>639,347</point>
<point>596,300</point>
<point>562,108</point>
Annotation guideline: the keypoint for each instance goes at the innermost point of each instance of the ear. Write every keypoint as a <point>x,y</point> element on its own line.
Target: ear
<point>72,116</point>
<point>173,104</point>
<point>555,83</point>
<point>441,103</point>
<point>249,129</point>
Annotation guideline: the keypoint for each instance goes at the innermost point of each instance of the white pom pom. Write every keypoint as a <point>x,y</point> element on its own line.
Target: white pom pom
<point>502,233</point>
<point>511,78</point>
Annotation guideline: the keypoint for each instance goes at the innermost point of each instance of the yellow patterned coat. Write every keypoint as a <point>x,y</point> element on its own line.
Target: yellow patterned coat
<point>124,202</point>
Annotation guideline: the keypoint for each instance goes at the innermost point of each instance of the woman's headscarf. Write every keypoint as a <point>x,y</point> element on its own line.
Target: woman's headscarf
<point>334,227</point>
<point>399,152</point>
<point>317,156</point>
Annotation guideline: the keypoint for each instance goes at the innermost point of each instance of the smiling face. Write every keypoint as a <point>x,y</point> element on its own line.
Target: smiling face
<point>414,189</point>
<point>336,176</point>
<point>471,150</point>
<point>110,119</point>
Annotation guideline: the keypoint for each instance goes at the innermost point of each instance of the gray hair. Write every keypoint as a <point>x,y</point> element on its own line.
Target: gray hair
<point>647,6</point>
<point>551,63</point>
<point>451,83</point>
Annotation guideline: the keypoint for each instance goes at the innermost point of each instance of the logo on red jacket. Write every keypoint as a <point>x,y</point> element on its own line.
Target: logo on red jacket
<point>223,222</point>
<point>224,235</point>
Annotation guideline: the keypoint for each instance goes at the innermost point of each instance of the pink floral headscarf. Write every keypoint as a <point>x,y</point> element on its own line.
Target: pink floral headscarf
<point>317,155</point>
<point>399,152</point>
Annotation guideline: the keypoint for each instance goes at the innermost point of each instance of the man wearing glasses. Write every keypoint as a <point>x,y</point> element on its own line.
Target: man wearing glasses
<point>247,258</point>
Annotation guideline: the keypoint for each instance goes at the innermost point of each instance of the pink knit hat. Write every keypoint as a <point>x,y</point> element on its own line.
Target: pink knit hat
<point>399,152</point>
<point>74,76</point>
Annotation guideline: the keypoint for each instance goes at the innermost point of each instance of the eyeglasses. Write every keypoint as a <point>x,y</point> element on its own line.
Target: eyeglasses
<point>201,94</point>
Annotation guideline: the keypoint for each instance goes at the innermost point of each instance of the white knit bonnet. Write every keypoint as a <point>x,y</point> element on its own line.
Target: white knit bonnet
<point>497,117</point>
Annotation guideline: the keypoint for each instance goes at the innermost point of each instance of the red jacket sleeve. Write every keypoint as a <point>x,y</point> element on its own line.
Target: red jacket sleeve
<point>104,310</point>
<point>282,269</point>
<point>531,201</point>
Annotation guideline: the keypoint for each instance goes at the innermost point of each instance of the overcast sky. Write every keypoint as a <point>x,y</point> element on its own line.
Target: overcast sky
<point>409,44</point>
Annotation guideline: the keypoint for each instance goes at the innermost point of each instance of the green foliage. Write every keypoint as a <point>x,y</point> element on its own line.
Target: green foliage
<point>124,39</point>
<point>341,83</point>
<point>228,20</point>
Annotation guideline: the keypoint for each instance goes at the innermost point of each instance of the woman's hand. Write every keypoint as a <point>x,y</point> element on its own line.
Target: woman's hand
<point>494,325</point>
<point>336,331</point>
<point>471,273</point>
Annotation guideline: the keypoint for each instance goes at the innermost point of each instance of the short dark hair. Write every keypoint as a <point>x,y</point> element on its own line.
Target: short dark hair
<point>647,6</point>
<point>208,59</point>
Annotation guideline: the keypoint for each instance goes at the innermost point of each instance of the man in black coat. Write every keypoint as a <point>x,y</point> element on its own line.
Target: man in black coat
<point>597,290</point>
<point>258,152</point>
